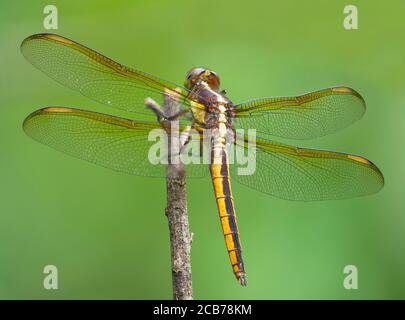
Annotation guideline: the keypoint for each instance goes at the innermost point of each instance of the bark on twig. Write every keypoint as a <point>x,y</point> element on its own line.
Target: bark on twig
<point>176,209</point>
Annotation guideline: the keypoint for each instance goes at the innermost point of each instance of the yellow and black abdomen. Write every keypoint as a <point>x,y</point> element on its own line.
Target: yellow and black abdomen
<point>219,168</point>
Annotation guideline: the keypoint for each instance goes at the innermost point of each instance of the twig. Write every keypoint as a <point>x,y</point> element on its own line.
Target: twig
<point>176,209</point>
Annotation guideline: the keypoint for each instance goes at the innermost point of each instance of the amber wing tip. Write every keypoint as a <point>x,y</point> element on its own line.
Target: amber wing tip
<point>242,280</point>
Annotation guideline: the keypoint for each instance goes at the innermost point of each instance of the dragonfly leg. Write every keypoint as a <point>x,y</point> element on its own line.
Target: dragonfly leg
<point>161,115</point>
<point>178,115</point>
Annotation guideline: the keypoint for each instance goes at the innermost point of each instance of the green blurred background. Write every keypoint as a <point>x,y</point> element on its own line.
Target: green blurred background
<point>107,233</point>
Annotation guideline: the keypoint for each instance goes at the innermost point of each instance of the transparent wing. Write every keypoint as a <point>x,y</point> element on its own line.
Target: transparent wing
<point>303,117</point>
<point>96,76</point>
<point>112,142</point>
<point>302,174</point>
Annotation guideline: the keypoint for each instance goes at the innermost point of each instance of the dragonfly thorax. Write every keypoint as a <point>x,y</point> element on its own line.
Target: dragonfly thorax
<point>212,107</point>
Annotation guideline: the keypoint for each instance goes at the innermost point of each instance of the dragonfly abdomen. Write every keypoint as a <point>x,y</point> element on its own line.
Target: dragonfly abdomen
<point>223,194</point>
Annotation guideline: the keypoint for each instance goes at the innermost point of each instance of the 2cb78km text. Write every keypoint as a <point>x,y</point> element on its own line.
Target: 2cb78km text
<point>200,309</point>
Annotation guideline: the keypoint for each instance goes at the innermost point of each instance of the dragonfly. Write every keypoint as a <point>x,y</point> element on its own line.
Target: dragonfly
<point>122,144</point>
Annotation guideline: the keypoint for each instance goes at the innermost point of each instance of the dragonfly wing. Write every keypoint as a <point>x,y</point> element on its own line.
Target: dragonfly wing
<point>303,174</point>
<point>303,117</point>
<point>96,76</point>
<point>129,146</point>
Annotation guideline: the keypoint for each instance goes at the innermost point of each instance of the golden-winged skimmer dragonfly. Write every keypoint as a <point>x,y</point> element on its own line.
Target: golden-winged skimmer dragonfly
<point>121,144</point>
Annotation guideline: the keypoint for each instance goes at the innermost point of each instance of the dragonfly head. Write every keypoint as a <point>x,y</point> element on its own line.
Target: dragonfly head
<point>197,75</point>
